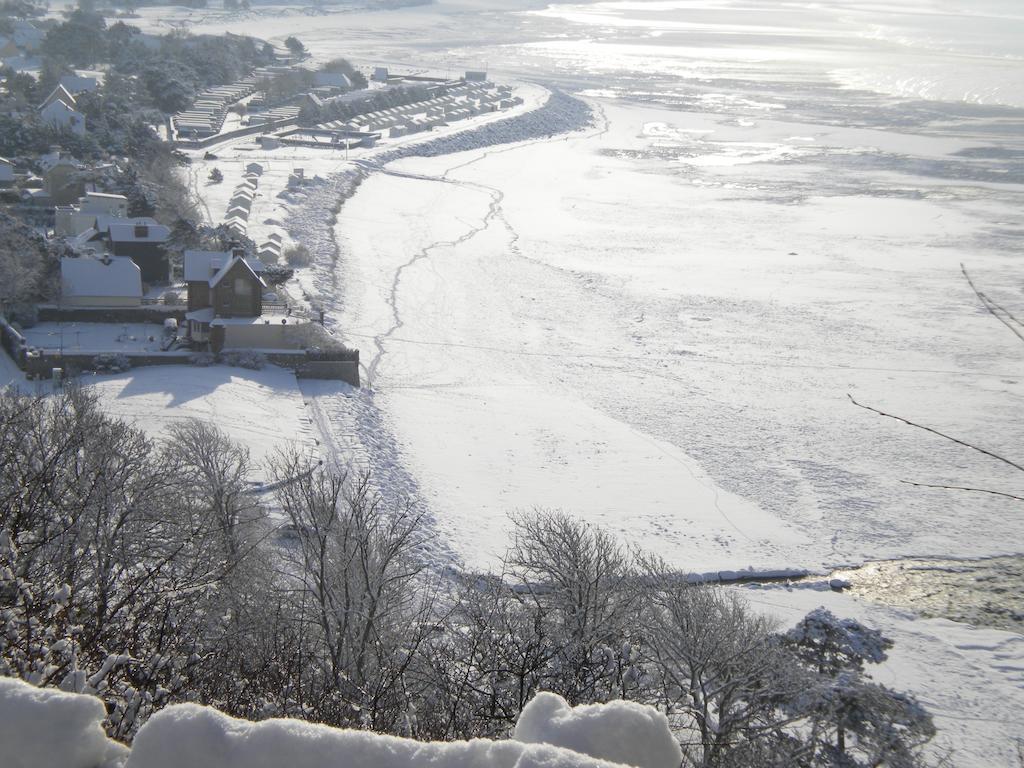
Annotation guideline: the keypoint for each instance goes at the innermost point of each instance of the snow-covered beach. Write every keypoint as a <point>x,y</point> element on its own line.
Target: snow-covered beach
<point>654,322</point>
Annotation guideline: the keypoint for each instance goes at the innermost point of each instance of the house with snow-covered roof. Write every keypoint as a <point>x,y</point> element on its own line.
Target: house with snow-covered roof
<point>143,240</point>
<point>100,281</point>
<point>60,93</point>
<point>332,80</point>
<point>225,290</point>
<point>73,220</point>
<point>62,116</point>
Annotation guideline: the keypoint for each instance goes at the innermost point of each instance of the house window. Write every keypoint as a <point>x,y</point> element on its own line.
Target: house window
<point>242,287</point>
<point>141,230</point>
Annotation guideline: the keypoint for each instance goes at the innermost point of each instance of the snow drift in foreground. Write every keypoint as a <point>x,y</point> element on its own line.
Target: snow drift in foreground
<point>43,727</point>
<point>621,731</point>
<point>46,727</point>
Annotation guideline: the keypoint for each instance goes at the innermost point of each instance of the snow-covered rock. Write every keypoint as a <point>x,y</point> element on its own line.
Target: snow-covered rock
<point>191,735</point>
<point>619,731</point>
<point>44,727</point>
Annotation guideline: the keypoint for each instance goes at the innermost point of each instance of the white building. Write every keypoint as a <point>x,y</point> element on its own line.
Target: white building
<point>332,80</point>
<point>100,281</point>
<point>6,172</point>
<point>73,220</point>
<point>79,83</point>
<point>63,118</point>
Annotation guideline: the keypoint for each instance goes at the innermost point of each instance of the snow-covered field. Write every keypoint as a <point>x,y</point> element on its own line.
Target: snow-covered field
<point>262,410</point>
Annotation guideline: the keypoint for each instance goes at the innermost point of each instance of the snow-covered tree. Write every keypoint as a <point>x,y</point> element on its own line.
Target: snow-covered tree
<point>720,673</point>
<point>587,582</point>
<point>855,722</point>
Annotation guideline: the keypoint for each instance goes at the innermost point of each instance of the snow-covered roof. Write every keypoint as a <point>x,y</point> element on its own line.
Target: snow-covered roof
<point>60,93</point>
<point>198,265</point>
<point>112,276</point>
<point>78,83</point>
<point>227,268</point>
<point>277,319</point>
<point>128,231</point>
<point>200,315</point>
<point>106,196</point>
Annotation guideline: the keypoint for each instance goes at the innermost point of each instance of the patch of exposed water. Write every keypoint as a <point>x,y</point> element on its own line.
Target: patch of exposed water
<point>987,592</point>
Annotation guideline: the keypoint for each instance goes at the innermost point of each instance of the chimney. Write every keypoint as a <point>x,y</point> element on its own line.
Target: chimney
<point>236,250</point>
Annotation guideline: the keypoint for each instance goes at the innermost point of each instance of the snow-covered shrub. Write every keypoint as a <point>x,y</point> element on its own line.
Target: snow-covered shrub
<point>298,256</point>
<point>171,298</point>
<point>275,274</point>
<point>202,359</point>
<point>245,358</point>
<point>111,362</point>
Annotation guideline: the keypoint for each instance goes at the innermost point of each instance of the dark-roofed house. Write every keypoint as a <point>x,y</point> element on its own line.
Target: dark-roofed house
<point>221,285</point>
<point>143,241</point>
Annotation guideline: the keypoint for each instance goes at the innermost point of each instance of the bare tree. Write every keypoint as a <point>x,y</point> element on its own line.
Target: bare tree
<point>721,674</point>
<point>589,583</point>
<point>214,474</point>
<point>358,564</point>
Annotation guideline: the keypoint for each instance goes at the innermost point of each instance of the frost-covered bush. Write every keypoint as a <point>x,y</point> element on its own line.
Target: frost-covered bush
<point>298,256</point>
<point>111,362</point>
<point>245,358</point>
<point>202,359</point>
<point>275,274</point>
<point>172,298</point>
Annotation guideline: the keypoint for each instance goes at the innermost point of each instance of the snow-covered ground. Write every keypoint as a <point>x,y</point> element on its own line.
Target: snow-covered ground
<point>84,338</point>
<point>262,410</point>
<point>615,334</point>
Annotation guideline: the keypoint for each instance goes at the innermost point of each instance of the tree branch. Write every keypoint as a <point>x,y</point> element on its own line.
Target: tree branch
<point>943,435</point>
<point>963,488</point>
<point>994,308</point>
